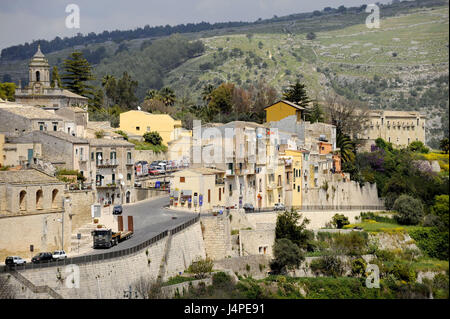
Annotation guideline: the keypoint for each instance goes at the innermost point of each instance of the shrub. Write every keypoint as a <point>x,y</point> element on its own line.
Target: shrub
<point>359,266</point>
<point>99,134</point>
<point>354,243</point>
<point>339,221</point>
<point>153,138</point>
<point>221,280</point>
<point>287,255</point>
<point>328,265</point>
<point>432,242</point>
<point>410,210</point>
<point>418,146</point>
<point>403,272</point>
<point>201,267</point>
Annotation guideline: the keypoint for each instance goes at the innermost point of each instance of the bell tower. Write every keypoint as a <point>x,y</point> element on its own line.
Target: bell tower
<point>39,72</point>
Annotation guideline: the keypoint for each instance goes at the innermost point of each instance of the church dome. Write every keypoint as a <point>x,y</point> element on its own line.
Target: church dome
<point>39,59</point>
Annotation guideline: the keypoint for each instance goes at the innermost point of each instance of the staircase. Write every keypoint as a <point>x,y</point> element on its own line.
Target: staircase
<point>163,266</point>
<point>86,238</point>
<point>35,289</point>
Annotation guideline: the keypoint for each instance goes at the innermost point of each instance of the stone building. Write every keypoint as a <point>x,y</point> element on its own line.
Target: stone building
<point>39,92</point>
<point>195,187</point>
<point>62,150</point>
<point>397,127</point>
<point>78,116</point>
<point>15,119</point>
<point>31,208</point>
<point>112,163</point>
<point>18,153</point>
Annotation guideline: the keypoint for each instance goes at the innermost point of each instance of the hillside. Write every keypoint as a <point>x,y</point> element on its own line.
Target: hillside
<point>403,65</point>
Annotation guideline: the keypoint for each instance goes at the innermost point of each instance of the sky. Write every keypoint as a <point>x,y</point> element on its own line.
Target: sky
<point>27,20</point>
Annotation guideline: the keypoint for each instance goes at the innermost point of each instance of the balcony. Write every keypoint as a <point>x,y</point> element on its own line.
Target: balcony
<point>271,186</point>
<point>230,172</point>
<point>106,184</point>
<point>129,162</point>
<point>107,163</point>
<point>220,181</point>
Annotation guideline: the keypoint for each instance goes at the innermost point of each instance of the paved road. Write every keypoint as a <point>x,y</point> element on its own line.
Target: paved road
<point>149,218</point>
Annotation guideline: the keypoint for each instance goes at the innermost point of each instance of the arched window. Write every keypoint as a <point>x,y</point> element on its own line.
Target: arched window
<point>54,201</point>
<point>38,76</point>
<point>39,198</point>
<point>128,197</point>
<point>23,200</point>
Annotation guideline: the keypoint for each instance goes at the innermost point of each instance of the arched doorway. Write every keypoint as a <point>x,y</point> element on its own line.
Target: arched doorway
<point>54,201</point>
<point>23,200</point>
<point>39,198</point>
<point>128,197</point>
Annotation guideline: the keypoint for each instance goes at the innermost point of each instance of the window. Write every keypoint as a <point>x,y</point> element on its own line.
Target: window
<point>38,76</point>
<point>92,156</point>
<point>128,176</point>
<point>55,126</point>
<point>39,197</point>
<point>298,188</point>
<point>148,128</point>
<point>209,196</point>
<point>54,201</point>
<point>137,128</point>
<point>41,126</point>
<point>182,179</point>
<point>22,200</point>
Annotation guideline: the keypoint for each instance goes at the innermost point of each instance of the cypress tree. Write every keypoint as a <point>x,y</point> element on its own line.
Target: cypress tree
<point>77,72</point>
<point>55,77</point>
<point>296,93</point>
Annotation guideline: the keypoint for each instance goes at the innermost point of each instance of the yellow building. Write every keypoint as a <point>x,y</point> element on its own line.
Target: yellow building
<point>2,154</point>
<point>294,179</point>
<point>195,187</point>
<point>276,184</point>
<point>137,123</point>
<point>283,109</point>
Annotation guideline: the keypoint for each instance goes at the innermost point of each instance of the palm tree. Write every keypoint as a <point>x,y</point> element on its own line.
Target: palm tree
<point>347,148</point>
<point>206,93</point>
<point>106,79</point>
<point>167,96</point>
<point>151,94</point>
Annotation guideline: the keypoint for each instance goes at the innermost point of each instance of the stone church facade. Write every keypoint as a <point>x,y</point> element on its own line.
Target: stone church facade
<point>39,92</point>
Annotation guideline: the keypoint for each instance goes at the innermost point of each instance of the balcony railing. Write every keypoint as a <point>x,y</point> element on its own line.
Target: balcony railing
<point>106,184</point>
<point>229,171</point>
<point>220,181</point>
<point>129,162</point>
<point>107,162</point>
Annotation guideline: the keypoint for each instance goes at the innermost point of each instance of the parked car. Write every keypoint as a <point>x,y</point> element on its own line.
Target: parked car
<point>161,170</point>
<point>14,260</point>
<point>117,210</point>
<point>59,255</point>
<point>42,257</point>
<point>248,208</point>
<point>279,206</point>
<point>153,171</point>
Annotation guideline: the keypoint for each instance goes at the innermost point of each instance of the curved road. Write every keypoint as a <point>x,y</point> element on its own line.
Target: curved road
<point>149,219</point>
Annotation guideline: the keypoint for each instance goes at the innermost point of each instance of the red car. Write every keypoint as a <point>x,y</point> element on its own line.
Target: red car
<point>153,172</point>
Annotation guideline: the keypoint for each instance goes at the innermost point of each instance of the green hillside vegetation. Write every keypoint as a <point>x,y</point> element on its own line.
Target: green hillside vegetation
<point>403,65</point>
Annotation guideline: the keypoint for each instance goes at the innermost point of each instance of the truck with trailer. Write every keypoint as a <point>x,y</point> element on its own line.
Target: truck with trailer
<point>107,238</point>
